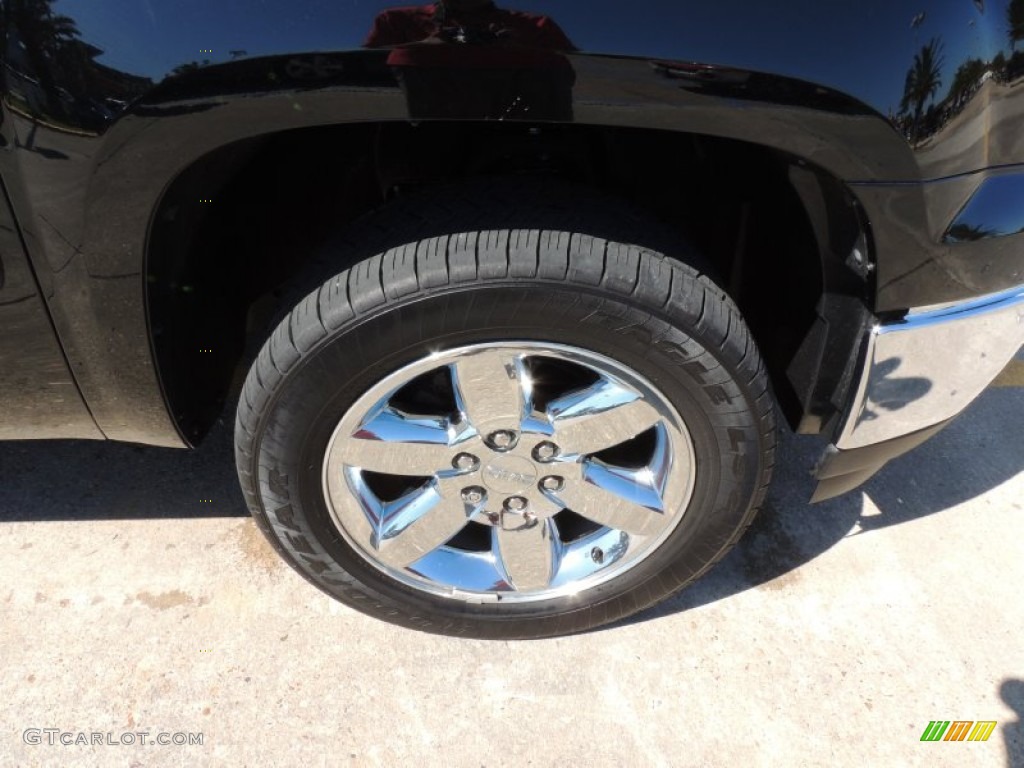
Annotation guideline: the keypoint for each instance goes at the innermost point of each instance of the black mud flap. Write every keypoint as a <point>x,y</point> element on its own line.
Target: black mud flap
<point>842,471</point>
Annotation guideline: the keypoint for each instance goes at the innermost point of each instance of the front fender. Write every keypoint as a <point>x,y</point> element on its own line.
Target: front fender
<point>104,104</point>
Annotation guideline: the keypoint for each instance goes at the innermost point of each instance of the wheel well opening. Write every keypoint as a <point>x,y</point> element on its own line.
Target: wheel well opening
<point>236,231</point>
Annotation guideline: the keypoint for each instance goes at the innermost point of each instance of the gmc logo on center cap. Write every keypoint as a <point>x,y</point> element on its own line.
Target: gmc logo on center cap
<point>508,476</point>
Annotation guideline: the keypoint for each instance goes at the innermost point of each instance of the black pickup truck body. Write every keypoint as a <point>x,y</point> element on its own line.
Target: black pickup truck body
<point>128,126</point>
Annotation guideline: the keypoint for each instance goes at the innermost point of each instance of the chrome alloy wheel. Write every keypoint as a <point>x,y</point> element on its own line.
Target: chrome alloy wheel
<point>509,471</point>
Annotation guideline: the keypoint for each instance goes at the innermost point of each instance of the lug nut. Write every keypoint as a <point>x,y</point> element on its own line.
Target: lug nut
<point>545,451</point>
<point>515,504</point>
<point>597,555</point>
<point>466,462</point>
<point>552,483</point>
<point>502,440</point>
<point>473,495</point>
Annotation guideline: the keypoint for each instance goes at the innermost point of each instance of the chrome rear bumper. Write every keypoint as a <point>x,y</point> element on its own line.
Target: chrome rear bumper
<point>918,373</point>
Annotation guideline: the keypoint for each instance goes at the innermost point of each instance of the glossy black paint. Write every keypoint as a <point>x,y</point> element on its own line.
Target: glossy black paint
<point>39,396</point>
<point>917,263</point>
<point>996,209</point>
<point>106,104</point>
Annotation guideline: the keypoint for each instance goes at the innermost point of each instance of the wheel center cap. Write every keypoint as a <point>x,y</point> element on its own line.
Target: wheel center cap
<point>509,474</point>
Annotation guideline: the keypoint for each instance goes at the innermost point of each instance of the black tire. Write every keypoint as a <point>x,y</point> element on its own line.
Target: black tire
<point>658,315</point>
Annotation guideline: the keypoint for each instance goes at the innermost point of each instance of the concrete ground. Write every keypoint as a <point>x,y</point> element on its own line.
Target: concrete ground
<point>138,597</point>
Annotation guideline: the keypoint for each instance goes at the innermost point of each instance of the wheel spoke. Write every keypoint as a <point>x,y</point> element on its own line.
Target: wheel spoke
<point>623,499</point>
<point>603,415</point>
<point>396,443</point>
<point>529,553</point>
<point>492,389</point>
<point>419,523</point>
